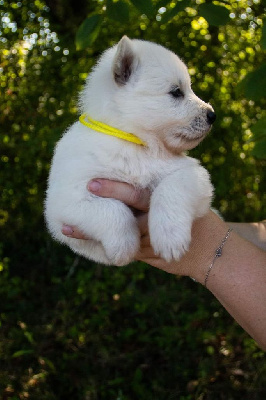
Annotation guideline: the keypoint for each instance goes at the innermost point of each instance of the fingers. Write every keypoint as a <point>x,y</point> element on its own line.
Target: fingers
<point>73,232</point>
<point>133,197</point>
<point>143,224</point>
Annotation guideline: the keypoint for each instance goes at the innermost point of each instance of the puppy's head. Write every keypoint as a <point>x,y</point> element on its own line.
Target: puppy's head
<point>148,92</point>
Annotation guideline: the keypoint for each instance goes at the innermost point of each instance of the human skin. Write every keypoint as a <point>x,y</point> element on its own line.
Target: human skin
<point>237,278</point>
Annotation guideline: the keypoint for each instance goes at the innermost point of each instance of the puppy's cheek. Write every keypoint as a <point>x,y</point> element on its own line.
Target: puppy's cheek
<point>192,145</point>
<point>174,146</point>
<point>179,145</point>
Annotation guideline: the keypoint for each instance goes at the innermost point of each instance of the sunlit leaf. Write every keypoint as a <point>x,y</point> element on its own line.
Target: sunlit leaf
<point>118,11</point>
<point>145,7</point>
<point>171,13</point>
<point>21,353</point>
<point>254,83</point>
<point>214,15</point>
<point>88,31</point>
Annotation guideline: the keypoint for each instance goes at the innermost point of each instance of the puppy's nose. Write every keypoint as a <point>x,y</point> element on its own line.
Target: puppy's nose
<point>211,116</point>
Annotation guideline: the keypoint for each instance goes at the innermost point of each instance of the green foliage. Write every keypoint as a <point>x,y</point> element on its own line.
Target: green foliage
<point>118,11</point>
<point>214,14</point>
<point>263,38</point>
<point>145,7</point>
<point>254,83</point>
<point>88,31</point>
<point>73,329</point>
<point>259,137</point>
<point>173,12</point>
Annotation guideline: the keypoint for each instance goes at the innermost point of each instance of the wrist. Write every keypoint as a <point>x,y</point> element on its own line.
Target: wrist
<point>207,235</point>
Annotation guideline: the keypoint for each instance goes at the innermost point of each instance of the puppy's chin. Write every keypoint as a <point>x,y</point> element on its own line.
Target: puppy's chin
<point>178,144</point>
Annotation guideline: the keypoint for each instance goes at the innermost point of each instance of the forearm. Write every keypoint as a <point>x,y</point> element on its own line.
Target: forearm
<point>254,232</point>
<point>238,281</point>
<point>238,277</point>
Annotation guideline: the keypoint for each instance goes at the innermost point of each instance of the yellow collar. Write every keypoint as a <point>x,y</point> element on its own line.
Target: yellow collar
<point>109,130</point>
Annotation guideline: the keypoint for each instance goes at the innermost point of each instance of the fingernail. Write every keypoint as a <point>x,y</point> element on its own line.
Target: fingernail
<point>67,230</point>
<point>94,186</point>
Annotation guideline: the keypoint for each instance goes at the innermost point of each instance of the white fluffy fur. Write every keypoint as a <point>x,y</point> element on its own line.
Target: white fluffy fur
<point>130,90</point>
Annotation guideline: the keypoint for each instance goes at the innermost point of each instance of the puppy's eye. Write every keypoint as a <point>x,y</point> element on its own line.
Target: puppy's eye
<point>176,92</point>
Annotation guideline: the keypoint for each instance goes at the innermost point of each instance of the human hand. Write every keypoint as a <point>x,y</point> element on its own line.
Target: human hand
<point>236,273</point>
<point>200,253</point>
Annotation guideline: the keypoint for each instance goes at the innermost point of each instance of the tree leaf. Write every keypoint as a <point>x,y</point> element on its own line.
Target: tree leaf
<point>144,6</point>
<point>254,83</point>
<point>21,353</point>
<point>259,130</point>
<point>88,31</point>
<point>263,37</point>
<point>259,150</point>
<point>259,136</point>
<point>214,15</point>
<point>118,11</point>
<point>172,12</point>
<point>162,3</point>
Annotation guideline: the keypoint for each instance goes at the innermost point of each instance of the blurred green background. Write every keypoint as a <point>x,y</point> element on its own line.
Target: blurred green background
<point>71,329</point>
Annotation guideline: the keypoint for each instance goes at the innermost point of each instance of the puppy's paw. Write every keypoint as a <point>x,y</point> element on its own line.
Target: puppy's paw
<point>170,241</point>
<point>121,249</point>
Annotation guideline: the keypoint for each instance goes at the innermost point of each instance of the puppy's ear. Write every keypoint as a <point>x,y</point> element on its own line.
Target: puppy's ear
<point>123,61</point>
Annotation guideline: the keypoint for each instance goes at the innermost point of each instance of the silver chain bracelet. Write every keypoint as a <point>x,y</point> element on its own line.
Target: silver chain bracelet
<point>218,253</point>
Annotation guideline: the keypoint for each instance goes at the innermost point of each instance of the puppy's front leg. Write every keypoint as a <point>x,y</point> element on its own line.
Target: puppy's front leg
<point>108,223</point>
<point>178,199</point>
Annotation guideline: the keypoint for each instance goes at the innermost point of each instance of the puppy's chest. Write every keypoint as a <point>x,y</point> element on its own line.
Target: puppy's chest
<point>139,171</point>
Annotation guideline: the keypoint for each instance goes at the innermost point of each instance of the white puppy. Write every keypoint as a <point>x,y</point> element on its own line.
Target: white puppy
<point>143,89</point>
